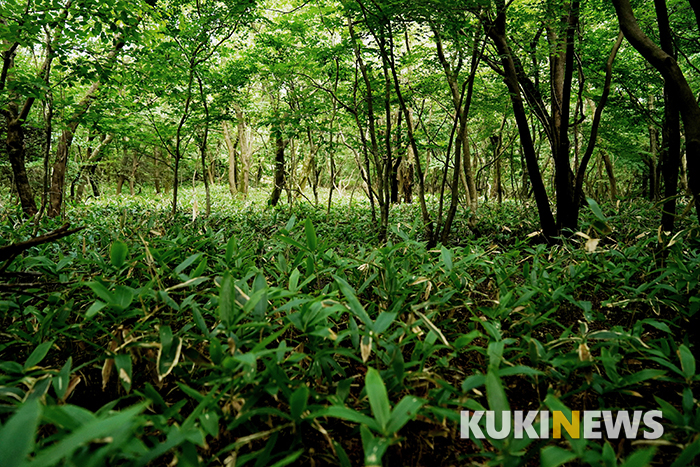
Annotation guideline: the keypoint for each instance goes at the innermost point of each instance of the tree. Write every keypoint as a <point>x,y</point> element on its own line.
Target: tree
<point>21,25</point>
<point>667,65</point>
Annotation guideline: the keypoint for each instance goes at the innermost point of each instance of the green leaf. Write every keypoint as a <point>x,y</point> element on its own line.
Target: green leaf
<point>210,423</point>
<point>404,411</point>
<point>311,241</point>
<point>670,412</point>
<point>378,398</point>
<point>473,381</point>
<point>687,361</point>
<point>383,321</point>
<point>17,434</point>
<point>355,307</point>
<point>123,364</point>
<point>38,354</point>
<point>288,459</point>
<point>373,446</point>
<point>187,262</point>
<point>102,292</point>
<point>519,370</point>
<point>294,280</point>
<point>349,415</point>
<point>446,255</point>
<point>495,393</point>
<point>123,296</point>
<point>166,337</point>
<point>117,253</point>
<point>608,455</point>
<point>642,375</point>
<point>87,432</point>
<point>290,223</point>
<point>226,299</point>
<point>596,210</point>
<point>260,285</point>
<point>554,456</point>
<point>95,308</point>
<point>687,456</point>
<point>60,382</point>
<point>216,353</point>
<point>230,249</point>
<point>199,320</point>
<point>641,458</point>
<point>297,402</point>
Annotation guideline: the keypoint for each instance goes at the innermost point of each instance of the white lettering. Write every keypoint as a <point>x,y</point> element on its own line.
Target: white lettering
<point>521,423</point>
<point>656,427</point>
<point>471,424</point>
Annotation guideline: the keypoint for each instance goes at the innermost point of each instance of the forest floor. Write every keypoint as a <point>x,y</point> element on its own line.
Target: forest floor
<point>289,335</point>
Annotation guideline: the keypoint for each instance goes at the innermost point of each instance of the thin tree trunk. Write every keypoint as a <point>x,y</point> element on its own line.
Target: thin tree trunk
<point>611,174</point>
<point>581,171</point>
<point>279,168</point>
<point>59,168</point>
<point>203,147</point>
<point>246,150</point>
<point>497,32</point>
<point>16,117</point>
<point>668,67</point>
<point>156,168</point>
<point>671,131</point>
<point>232,162</point>
<point>15,149</point>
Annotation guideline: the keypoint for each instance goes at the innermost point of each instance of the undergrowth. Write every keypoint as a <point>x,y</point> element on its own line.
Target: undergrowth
<point>289,336</point>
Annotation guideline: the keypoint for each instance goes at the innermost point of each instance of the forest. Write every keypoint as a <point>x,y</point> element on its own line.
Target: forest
<point>349,233</point>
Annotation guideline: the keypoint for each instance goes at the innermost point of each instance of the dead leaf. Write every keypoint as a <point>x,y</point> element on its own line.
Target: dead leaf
<point>107,372</point>
<point>124,376</point>
<point>74,381</point>
<point>428,289</point>
<point>584,353</point>
<point>591,244</point>
<point>365,348</point>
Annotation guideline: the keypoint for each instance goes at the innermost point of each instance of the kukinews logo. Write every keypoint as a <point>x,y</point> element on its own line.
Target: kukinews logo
<point>589,424</point>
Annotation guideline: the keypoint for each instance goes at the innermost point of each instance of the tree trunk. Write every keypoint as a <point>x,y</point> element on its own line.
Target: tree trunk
<point>497,32</point>
<point>611,175</point>
<point>373,148</point>
<point>232,162</point>
<point>668,67</point>
<point>58,176</point>
<point>16,117</point>
<point>671,131</point>
<point>279,168</point>
<point>15,149</point>
<point>59,168</point>
<point>156,168</point>
<point>562,66</point>
<point>652,159</point>
<point>581,170</point>
<point>246,149</point>
<point>132,174</point>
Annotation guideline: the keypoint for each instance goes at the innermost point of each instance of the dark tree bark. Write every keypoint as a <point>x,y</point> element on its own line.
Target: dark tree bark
<point>16,116</point>
<point>15,149</point>
<point>562,75</point>
<point>669,69</point>
<point>279,168</point>
<point>496,30</point>
<point>578,190</point>
<point>671,132</point>
<point>611,175</point>
<point>58,177</point>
